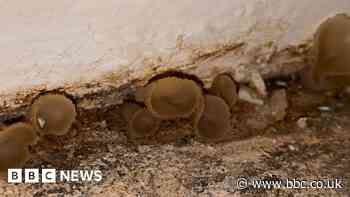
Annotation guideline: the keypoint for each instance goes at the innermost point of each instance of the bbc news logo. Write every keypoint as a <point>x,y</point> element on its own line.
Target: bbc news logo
<point>52,175</point>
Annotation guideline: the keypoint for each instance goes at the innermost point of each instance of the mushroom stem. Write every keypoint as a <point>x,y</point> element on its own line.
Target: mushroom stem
<point>14,142</point>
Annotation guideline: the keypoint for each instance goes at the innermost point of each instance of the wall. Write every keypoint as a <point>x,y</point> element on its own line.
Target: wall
<point>53,43</point>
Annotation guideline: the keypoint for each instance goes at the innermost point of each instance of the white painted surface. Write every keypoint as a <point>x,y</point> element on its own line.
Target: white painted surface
<point>64,41</point>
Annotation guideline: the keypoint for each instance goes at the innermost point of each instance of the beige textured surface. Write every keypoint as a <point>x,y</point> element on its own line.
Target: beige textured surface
<point>52,43</point>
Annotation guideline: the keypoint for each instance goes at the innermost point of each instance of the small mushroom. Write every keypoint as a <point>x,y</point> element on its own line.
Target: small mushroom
<point>141,123</point>
<point>331,69</point>
<point>171,97</point>
<point>14,142</point>
<point>52,114</point>
<point>214,121</point>
<point>22,133</point>
<point>224,87</point>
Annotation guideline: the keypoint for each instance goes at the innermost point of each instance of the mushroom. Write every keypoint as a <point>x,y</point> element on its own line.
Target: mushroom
<point>214,121</point>
<point>172,97</point>
<point>224,87</point>
<point>141,123</point>
<point>331,69</point>
<point>52,114</point>
<point>14,142</point>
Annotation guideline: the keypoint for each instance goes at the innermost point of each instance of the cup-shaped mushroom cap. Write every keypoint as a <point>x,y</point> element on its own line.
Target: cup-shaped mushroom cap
<point>53,114</point>
<point>20,133</point>
<point>143,124</point>
<point>224,87</point>
<point>332,49</point>
<point>214,121</point>
<point>12,155</point>
<point>172,97</point>
<point>14,142</point>
<point>141,93</point>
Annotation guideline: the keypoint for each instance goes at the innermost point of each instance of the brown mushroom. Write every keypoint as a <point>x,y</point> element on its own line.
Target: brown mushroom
<point>53,114</point>
<point>172,97</point>
<point>14,142</point>
<point>224,87</point>
<point>331,69</point>
<point>141,123</point>
<point>214,121</point>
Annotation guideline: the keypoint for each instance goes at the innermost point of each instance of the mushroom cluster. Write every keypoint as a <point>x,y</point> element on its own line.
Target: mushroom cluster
<point>172,97</point>
<point>49,114</point>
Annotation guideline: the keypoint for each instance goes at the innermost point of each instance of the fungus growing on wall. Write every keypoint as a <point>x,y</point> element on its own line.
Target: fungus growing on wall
<point>224,87</point>
<point>331,69</point>
<point>214,121</point>
<point>171,97</point>
<point>53,114</point>
<point>141,123</point>
<point>14,142</point>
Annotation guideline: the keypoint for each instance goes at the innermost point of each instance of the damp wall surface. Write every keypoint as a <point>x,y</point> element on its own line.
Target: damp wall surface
<point>55,43</point>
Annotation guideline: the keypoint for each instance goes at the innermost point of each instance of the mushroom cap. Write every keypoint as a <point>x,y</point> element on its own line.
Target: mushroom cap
<point>214,121</point>
<point>53,114</point>
<point>21,133</point>
<point>12,155</point>
<point>143,124</point>
<point>172,97</point>
<point>224,87</point>
<point>332,48</point>
<point>14,143</point>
